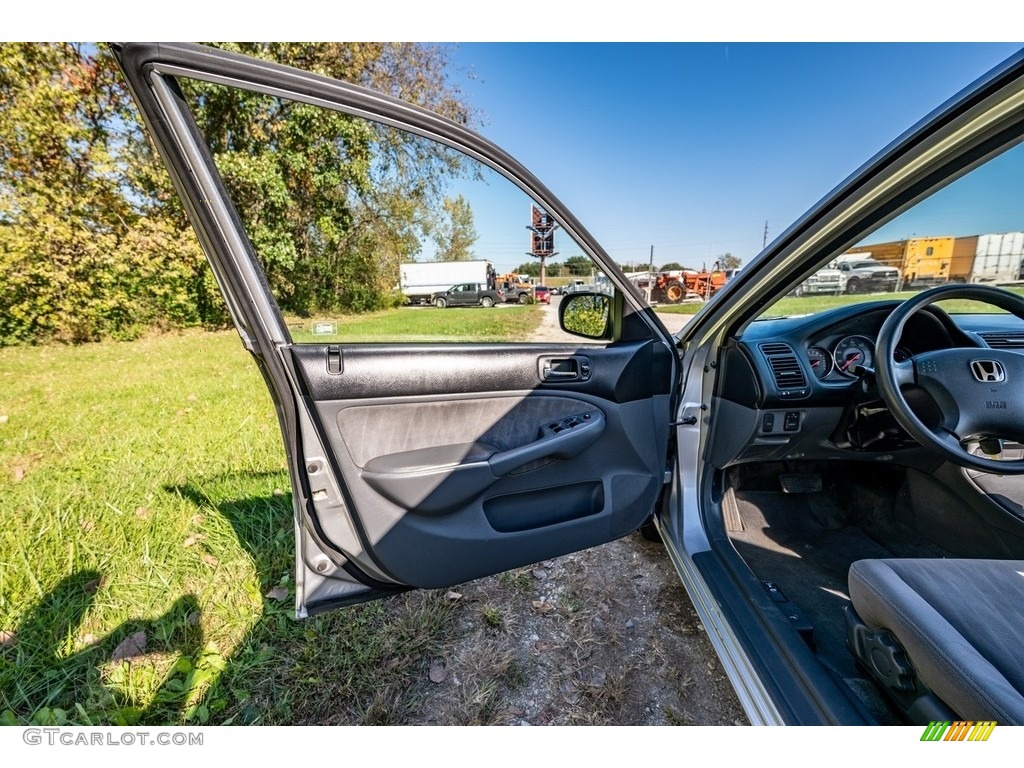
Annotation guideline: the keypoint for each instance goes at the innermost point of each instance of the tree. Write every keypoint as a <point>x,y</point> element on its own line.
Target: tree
<point>578,265</point>
<point>79,257</point>
<point>94,242</point>
<point>531,268</point>
<point>455,232</point>
<point>333,203</point>
<point>728,261</point>
<point>672,266</point>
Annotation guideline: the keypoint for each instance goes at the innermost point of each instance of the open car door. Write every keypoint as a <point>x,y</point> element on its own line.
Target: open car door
<point>416,463</point>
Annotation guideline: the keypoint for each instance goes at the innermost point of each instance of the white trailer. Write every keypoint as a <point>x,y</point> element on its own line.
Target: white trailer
<point>418,281</point>
<point>998,258</point>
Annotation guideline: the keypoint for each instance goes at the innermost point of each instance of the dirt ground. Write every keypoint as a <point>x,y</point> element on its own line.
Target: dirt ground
<point>603,637</point>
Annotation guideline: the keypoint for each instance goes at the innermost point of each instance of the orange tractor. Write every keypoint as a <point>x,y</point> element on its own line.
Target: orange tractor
<point>683,285</point>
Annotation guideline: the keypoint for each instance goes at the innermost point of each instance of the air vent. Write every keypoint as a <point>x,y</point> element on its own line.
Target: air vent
<point>777,349</point>
<point>789,376</point>
<point>1004,340</point>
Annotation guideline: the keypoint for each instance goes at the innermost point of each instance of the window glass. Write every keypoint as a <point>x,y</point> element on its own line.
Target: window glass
<point>971,231</point>
<point>367,233</point>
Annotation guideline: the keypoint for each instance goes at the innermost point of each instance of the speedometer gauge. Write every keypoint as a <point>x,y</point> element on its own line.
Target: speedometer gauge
<point>820,360</point>
<point>853,351</point>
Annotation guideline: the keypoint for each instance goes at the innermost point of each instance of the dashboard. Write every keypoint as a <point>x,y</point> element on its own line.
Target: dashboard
<point>802,387</point>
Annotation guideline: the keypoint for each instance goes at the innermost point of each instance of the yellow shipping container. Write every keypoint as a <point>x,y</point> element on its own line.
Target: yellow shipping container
<point>927,261</point>
<point>963,259</point>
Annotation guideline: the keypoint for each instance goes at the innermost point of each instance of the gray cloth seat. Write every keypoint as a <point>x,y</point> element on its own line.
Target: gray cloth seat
<point>961,623</point>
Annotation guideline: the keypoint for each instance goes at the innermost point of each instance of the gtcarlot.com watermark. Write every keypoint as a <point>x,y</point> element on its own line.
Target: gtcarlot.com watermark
<point>84,737</point>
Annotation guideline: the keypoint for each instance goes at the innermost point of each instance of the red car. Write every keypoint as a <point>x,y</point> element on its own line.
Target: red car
<point>542,294</point>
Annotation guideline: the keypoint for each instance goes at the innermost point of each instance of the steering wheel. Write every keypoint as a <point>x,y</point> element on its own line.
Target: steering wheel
<point>979,392</point>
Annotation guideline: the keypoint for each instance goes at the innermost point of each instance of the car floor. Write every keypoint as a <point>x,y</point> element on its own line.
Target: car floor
<point>803,543</point>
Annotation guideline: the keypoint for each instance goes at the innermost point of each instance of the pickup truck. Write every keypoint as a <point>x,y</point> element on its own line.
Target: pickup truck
<point>865,275</point>
<point>825,281</point>
<point>468,295</point>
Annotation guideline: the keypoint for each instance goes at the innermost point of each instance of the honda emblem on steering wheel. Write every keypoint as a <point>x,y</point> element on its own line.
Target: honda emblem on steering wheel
<point>988,371</point>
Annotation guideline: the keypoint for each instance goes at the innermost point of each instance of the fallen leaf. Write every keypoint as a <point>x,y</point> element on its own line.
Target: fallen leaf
<point>542,607</point>
<point>539,574</point>
<point>87,525</point>
<point>88,638</point>
<point>141,512</point>
<point>542,646</point>
<point>18,474</point>
<point>193,618</point>
<point>91,586</point>
<point>198,519</point>
<point>277,593</point>
<point>7,638</point>
<point>192,398</point>
<point>210,560</point>
<point>192,540</point>
<point>3,418</point>
<point>133,645</point>
<point>437,674</point>
<point>278,492</point>
<point>454,596</point>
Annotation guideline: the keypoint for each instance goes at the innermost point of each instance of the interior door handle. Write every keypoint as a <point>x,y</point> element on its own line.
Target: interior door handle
<point>574,368</point>
<point>551,373</point>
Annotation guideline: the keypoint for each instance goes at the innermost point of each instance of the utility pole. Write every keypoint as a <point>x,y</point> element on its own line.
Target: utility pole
<point>650,276</point>
<point>764,240</point>
<point>542,239</point>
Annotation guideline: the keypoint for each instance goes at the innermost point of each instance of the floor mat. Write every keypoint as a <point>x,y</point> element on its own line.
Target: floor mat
<point>807,554</point>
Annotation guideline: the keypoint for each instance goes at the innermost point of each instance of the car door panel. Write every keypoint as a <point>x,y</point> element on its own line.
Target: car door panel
<point>419,465</point>
<point>477,468</point>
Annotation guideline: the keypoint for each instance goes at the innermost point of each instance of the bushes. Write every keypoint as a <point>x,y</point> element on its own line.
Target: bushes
<point>94,244</point>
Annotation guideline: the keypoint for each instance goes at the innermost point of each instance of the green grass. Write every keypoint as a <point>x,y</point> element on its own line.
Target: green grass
<point>145,490</point>
<point>806,305</point>
<point>512,322</point>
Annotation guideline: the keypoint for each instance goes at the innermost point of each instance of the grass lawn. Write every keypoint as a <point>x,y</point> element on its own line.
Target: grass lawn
<point>512,322</point>
<point>147,515</point>
<point>805,305</point>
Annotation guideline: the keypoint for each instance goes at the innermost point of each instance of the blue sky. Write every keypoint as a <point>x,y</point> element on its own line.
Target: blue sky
<point>692,147</point>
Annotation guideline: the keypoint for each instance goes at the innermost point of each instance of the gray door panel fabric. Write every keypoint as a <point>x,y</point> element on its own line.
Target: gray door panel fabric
<point>452,470</point>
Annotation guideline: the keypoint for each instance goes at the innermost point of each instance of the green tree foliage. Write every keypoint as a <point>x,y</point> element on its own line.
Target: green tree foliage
<point>578,265</point>
<point>333,204</point>
<point>455,233</point>
<point>728,261</point>
<point>94,243</point>
<point>79,259</point>
<point>672,266</point>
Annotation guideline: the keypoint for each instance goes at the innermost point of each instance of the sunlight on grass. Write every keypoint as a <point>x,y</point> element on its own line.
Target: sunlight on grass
<point>421,324</point>
<point>146,497</point>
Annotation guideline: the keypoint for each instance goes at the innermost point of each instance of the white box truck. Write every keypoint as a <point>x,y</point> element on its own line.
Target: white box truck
<point>418,281</point>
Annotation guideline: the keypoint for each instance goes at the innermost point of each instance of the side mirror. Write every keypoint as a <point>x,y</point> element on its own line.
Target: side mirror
<point>586,314</point>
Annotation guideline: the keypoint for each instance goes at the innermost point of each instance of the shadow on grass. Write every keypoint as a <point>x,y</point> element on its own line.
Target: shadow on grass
<point>365,664</point>
<point>46,666</point>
